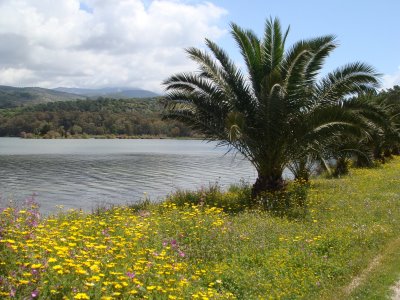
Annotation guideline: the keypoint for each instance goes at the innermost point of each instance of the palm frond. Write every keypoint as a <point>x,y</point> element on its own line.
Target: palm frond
<point>350,80</point>
<point>273,45</point>
<point>249,46</point>
<point>320,47</point>
<point>209,68</point>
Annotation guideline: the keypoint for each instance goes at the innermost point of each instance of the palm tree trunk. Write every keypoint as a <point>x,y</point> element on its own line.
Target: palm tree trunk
<point>387,153</point>
<point>378,155</point>
<point>396,150</point>
<point>302,172</point>
<point>265,183</point>
<point>341,168</point>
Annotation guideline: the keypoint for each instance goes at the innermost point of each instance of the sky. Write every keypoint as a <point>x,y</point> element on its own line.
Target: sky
<point>139,43</point>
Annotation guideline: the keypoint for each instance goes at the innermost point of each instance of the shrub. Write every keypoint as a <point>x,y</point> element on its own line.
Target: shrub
<point>235,199</point>
<point>291,202</point>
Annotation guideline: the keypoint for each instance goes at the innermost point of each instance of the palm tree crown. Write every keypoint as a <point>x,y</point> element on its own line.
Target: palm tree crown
<point>279,109</point>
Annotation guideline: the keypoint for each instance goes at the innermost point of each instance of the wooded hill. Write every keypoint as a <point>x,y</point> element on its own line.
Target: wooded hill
<point>123,117</point>
<point>14,97</point>
<point>11,97</point>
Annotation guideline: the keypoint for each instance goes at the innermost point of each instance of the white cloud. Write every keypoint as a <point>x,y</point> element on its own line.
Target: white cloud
<point>96,43</point>
<point>390,80</point>
<point>15,76</point>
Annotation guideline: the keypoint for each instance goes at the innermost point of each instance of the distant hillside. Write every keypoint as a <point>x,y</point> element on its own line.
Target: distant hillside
<point>106,117</point>
<point>113,92</point>
<point>13,96</point>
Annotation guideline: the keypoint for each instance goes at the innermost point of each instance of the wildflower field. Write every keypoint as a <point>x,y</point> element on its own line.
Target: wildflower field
<point>165,251</point>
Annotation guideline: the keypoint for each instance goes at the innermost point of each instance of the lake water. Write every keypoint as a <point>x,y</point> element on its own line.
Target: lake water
<point>87,173</point>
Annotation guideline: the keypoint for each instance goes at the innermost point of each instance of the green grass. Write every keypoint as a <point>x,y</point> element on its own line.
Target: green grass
<point>378,282</point>
<point>179,251</point>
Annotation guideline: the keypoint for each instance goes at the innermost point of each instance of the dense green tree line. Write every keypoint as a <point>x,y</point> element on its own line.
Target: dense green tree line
<point>133,117</point>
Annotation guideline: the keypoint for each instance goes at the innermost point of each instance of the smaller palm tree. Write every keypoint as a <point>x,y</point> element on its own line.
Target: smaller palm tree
<point>389,142</point>
<point>356,146</point>
<point>276,112</point>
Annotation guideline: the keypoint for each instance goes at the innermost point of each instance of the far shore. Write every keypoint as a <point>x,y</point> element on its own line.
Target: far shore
<point>110,136</point>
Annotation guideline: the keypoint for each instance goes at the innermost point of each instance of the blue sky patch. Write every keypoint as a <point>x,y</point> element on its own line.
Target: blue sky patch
<point>83,6</point>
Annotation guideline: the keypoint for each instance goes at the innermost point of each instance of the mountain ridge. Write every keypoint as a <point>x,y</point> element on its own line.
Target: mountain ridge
<point>21,96</point>
<point>11,97</point>
<point>110,92</point>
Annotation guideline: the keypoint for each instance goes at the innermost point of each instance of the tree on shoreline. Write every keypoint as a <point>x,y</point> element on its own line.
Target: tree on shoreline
<point>277,111</point>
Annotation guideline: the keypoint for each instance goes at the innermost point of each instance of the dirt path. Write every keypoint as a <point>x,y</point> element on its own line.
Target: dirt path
<point>357,281</point>
<point>396,290</point>
<point>378,262</point>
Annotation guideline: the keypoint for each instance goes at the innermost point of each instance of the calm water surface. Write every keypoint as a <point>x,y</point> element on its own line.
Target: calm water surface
<point>87,173</point>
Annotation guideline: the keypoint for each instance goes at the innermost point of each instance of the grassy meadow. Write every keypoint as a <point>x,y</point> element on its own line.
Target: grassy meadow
<point>212,247</point>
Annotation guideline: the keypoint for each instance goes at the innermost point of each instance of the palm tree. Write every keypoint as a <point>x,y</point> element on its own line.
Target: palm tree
<point>389,142</point>
<point>343,143</point>
<point>353,146</point>
<point>275,112</point>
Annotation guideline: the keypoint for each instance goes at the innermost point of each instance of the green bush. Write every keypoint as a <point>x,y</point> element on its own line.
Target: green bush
<point>290,202</point>
<point>236,198</point>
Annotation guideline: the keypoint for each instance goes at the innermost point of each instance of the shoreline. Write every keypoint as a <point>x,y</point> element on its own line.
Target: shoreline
<point>108,137</point>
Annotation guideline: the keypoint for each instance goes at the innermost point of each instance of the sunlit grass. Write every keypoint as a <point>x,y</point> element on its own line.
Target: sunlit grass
<point>162,251</point>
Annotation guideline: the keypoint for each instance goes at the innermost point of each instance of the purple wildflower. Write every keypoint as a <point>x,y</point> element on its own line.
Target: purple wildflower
<point>35,293</point>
